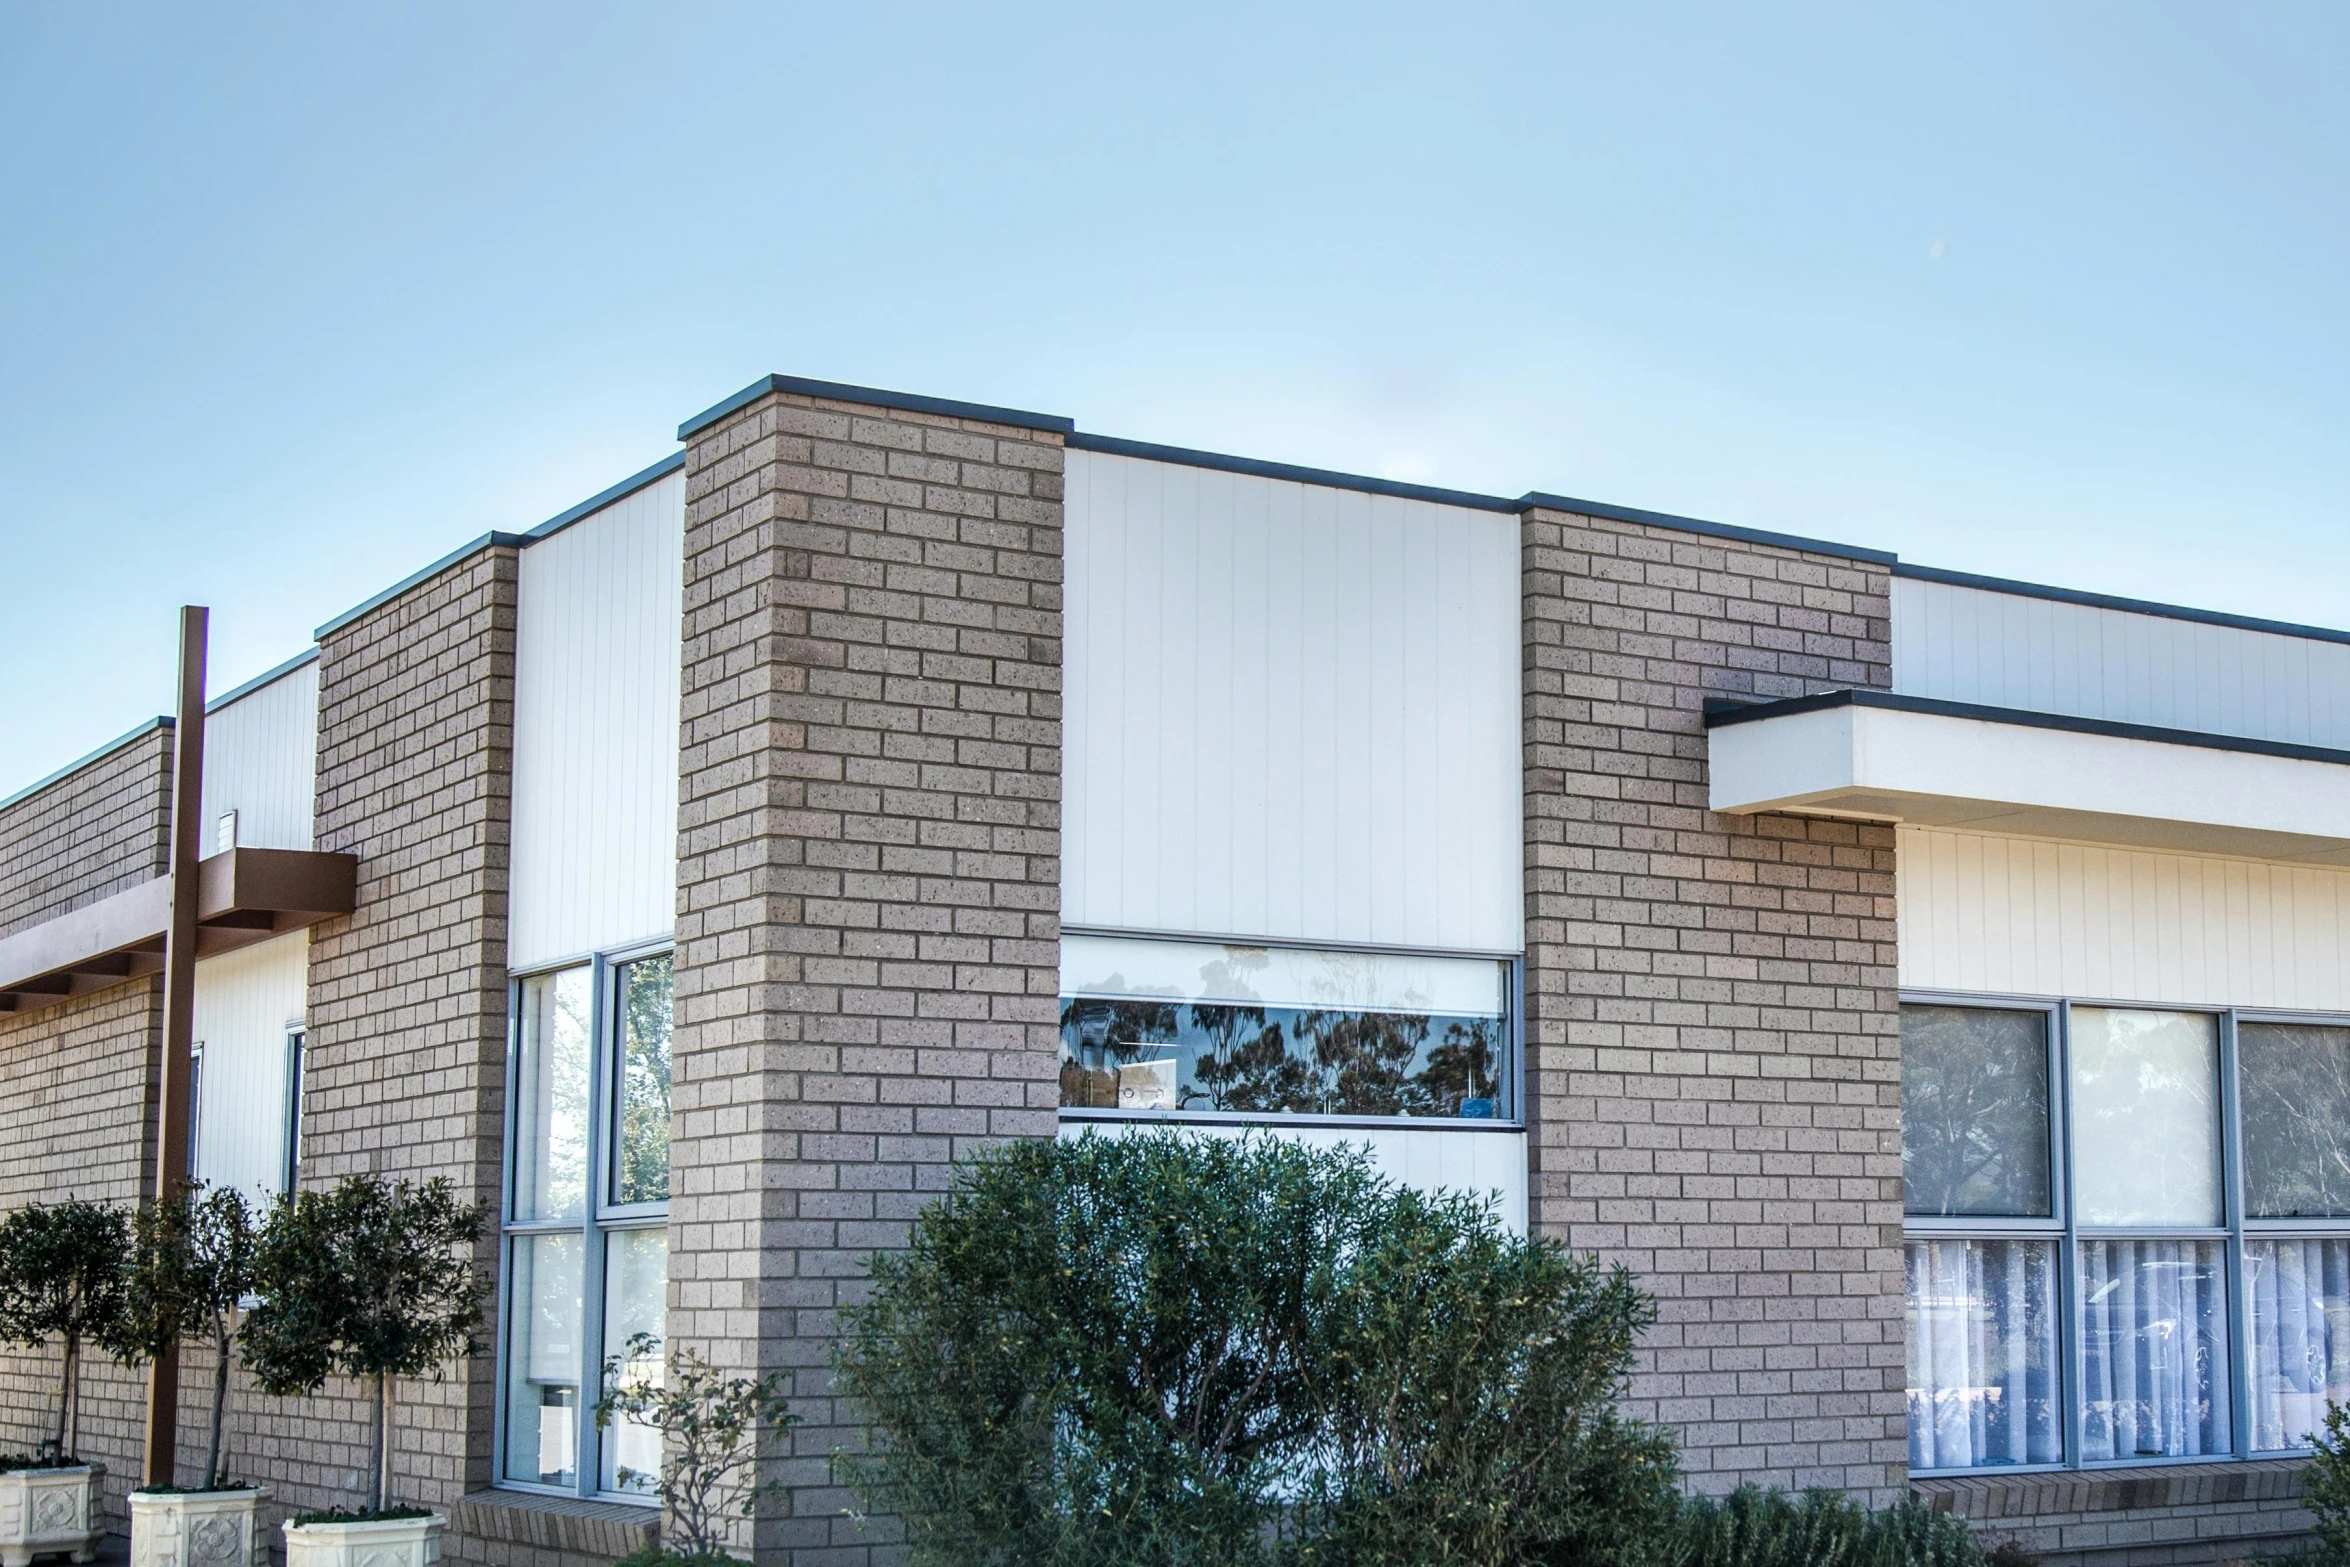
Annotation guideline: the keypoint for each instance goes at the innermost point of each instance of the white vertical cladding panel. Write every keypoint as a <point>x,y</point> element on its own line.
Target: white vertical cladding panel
<point>261,761</point>
<point>596,730</point>
<point>245,1002</point>
<point>2023,916</point>
<point>1292,711</point>
<point>1961,644</point>
<point>1479,1164</point>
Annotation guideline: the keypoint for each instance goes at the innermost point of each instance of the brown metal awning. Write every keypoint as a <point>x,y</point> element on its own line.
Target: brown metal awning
<point>242,896</point>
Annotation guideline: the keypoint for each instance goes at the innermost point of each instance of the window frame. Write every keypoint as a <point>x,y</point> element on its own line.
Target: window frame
<point>1509,1118</point>
<point>599,1218</point>
<point>297,1041</point>
<point>2068,1233</point>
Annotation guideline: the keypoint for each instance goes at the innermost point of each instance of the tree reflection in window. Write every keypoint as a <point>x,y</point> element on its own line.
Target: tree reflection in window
<point>1169,1055</point>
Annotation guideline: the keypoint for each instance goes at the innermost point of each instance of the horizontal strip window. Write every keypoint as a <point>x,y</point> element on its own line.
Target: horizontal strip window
<point>2100,1265</point>
<point>1167,1028</point>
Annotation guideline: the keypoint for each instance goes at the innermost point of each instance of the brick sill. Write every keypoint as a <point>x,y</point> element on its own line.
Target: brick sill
<point>556,1523</point>
<point>1980,1498</point>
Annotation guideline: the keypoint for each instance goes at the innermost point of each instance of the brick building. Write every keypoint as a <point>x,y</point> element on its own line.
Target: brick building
<point>1933,986</point>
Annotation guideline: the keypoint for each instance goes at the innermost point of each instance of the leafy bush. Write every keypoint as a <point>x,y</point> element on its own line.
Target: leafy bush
<point>374,1279</point>
<point>1169,1350</point>
<point>2325,1486</point>
<point>710,1426</point>
<point>192,1265</point>
<point>1752,1527</point>
<point>61,1276</point>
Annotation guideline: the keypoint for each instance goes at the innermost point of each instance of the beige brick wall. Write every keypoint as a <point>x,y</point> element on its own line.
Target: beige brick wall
<point>77,1094</point>
<point>868,877</point>
<point>2172,1516</point>
<point>405,1062</point>
<point>89,836</point>
<point>1713,1026</point>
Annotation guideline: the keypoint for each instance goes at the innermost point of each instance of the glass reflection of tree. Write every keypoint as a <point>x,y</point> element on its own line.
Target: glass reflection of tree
<point>2296,1089</point>
<point>1257,1072</point>
<point>1098,1036</point>
<point>1463,1067</point>
<point>1231,1073</point>
<point>646,989</point>
<point>1974,1111</point>
<point>1365,1058</point>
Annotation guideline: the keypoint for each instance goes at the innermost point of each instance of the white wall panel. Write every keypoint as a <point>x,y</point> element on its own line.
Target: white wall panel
<point>261,761</point>
<point>595,730</point>
<point>245,1001</point>
<point>1292,711</point>
<point>1478,1163</point>
<point>2025,916</point>
<point>1963,644</point>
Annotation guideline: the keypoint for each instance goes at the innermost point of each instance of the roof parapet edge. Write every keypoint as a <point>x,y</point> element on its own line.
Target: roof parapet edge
<point>162,721</point>
<point>2040,590</point>
<point>1717,530</point>
<point>1118,446</point>
<point>841,391</point>
<point>418,578</point>
<point>603,498</point>
<point>308,655</point>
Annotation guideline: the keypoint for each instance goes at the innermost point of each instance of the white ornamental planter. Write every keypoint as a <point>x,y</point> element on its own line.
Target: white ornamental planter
<point>44,1510</point>
<point>196,1529</point>
<point>393,1542</point>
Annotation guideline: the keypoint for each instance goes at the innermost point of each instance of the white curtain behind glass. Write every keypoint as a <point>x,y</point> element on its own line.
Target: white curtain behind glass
<point>2300,1331</point>
<point>2153,1352</point>
<point>1982,1353</point>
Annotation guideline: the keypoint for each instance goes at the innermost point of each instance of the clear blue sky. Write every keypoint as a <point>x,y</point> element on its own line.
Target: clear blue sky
<point>293,300</point>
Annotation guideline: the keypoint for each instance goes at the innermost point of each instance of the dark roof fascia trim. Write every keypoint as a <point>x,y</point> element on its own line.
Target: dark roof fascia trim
<point>1117,446</point>
<point>99,755</point>
<point>603,498</point>
<point>1722,717</point>
<point>1715,530</point>
<point>417,579</point>
<point>2036,590</point>
<point>308,656</point>
<point>839,391</point>
<point>1222,463</point>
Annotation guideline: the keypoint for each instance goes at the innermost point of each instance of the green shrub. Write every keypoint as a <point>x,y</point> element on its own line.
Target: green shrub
<point>710,1425</point>
<point>1161,1350</point>
<point>61,1277</point>
<point>2325,1486</point>
<point>191,1268</point>
<point>374,1279</point>
<point>1752,1527</point>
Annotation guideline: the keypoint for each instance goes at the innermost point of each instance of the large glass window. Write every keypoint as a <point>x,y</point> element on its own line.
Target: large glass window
<point>2128,1232</point>
<point>1156,1025</point>
<point>587,1239</point>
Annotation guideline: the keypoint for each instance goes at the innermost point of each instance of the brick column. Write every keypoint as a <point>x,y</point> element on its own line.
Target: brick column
<point>404,1070</point>
<point>868,864</point>
<point>1713,1041</point>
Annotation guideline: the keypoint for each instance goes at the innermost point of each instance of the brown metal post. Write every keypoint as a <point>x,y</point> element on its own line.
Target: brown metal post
<point>179,1000</point>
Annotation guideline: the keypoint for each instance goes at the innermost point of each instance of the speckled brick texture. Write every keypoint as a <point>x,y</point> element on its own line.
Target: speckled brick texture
<point>2172,1516</point>
<point>868,877</point>
<point>86,837</point>
<point>404,1070</point>
<point>77,1095</point>
<point>1713,1022</point>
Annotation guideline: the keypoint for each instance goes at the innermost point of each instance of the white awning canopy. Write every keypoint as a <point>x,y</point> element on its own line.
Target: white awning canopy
<point>1878,756</point>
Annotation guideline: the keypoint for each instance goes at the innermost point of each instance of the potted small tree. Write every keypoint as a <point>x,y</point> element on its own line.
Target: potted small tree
<point>192,1258</point>
<point>710,1425</point>
<point>374,1279</point>
<point>61,1277</point>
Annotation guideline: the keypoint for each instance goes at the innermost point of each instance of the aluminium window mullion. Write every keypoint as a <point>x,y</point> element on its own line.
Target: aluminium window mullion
<point>2239,1356</point>
<point>588,1466</point>
<point>2070,1345</point>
